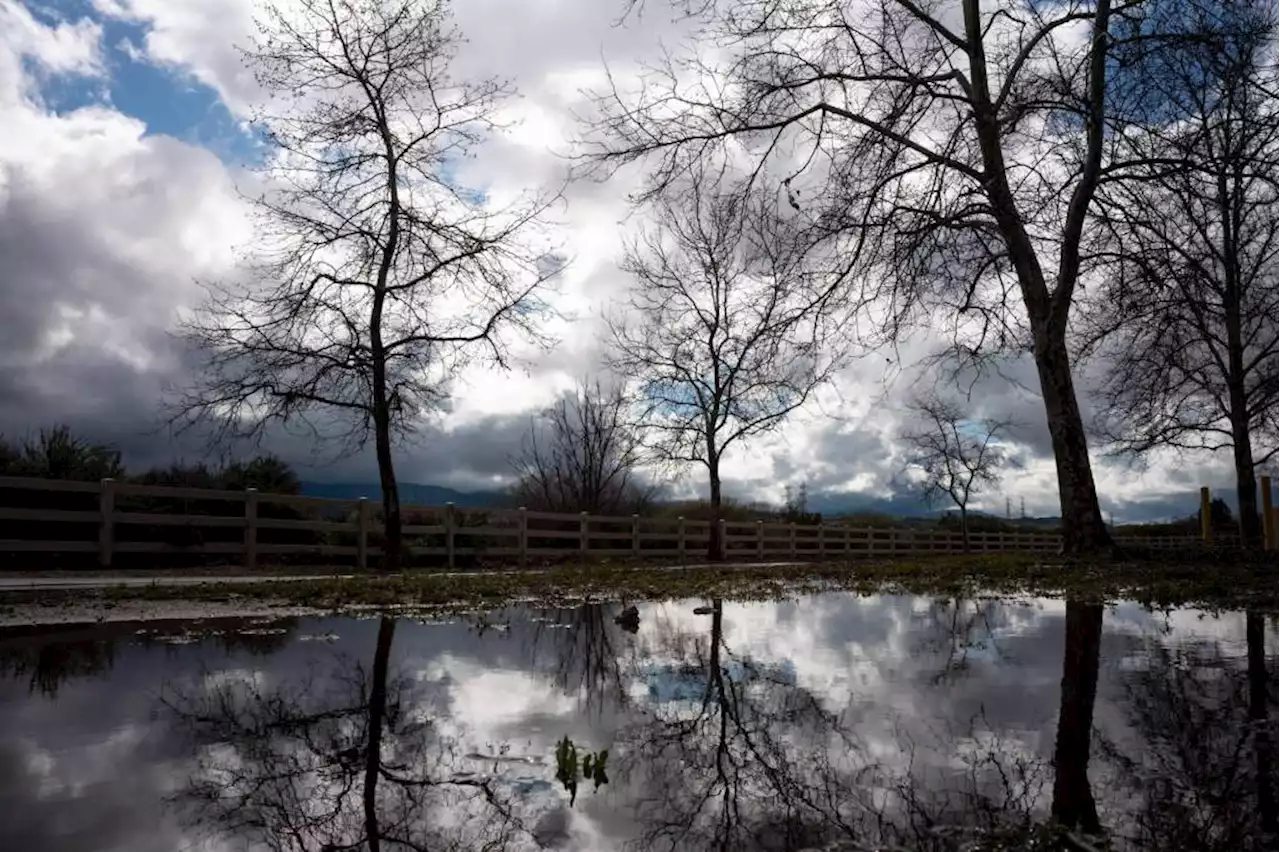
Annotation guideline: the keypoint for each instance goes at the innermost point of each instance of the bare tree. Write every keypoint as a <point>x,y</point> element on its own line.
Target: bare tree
<point>1185,321</point>
<point>583,457</point>
<point>723,337</point>
<point>949,153</point>
<point>375,276</point>
<point>957,455</point>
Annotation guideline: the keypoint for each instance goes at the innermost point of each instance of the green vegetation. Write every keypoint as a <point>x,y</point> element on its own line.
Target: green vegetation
<point>571,767</point>
<point>1160,583</point>
<point>57,454</point>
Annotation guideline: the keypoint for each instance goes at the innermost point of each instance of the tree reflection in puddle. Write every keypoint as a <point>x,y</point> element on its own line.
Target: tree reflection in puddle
<point>345,765</point>
<point>753,761</point>
<point>832,723</point>
<point>1201,767</point>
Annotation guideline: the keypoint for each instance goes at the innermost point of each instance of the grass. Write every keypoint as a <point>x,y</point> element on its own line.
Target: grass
<point>1220,584</point>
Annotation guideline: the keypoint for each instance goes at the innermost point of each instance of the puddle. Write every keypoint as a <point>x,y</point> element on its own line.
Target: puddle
<point>835,721</point>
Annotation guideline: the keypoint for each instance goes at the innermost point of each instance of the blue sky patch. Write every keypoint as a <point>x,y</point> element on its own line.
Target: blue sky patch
<point>167,100</point>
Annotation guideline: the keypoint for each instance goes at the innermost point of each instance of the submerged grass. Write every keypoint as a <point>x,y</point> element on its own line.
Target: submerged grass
<point>1219,584</point>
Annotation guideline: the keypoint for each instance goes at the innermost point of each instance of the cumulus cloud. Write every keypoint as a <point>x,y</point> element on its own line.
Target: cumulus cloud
<point>105,225</point>
<point>198,39</point>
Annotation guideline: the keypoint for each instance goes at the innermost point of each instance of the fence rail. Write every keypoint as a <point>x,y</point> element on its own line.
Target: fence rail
<point>349,528</point>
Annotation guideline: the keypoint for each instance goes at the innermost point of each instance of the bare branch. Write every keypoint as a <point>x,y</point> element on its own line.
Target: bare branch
<point>1184,318</point>
<point>375,275</point>
<point>583,457</point>
<point>943,156</point>
<point>954,455</point>
<point>726,334</point>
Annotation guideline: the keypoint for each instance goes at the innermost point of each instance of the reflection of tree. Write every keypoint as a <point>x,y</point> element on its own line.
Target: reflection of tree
<point>51,657</point>
<point>49,662</point>
<point>735,755</point>
<point>1261,700</point>
<point>585,648</point>
<point>1200,761</point>
<point>339,764</point>
<point>959,627</point>
<point>1073,804</point>
<point>715,770</point>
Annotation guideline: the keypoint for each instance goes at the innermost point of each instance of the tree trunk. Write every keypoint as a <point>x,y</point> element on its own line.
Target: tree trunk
<point>1247,492</point>
<point>1083,531</point>
<point>1241,442</point>
<point>1263,728</point>
<point>964,530</point>
<point>373,748</point>
<point>1073,804</point>
<point>392,537</point>
<point>715,547</point>
<point>1237,399</point>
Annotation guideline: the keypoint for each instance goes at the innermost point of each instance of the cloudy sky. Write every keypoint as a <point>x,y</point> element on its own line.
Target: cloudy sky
<point>124,151</point>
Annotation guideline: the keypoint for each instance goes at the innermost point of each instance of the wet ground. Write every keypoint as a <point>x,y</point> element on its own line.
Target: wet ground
<point>834,721</point>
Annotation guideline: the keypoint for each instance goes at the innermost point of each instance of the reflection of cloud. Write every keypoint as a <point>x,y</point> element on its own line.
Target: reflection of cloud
<point>92,758</point>
<point>485,705</point>
<point>248,678</point>
<point>666,683</point>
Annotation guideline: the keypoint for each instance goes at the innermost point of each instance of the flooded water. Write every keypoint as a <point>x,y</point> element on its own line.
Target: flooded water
<point>833,722</point>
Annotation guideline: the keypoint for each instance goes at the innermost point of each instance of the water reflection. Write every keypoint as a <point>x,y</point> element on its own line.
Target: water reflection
<point>1201,765</point>
<point>898,722</point>
<point>1073,805</point>
<point>351,763</point>
<point>47,659</point>
<point>585,647</point>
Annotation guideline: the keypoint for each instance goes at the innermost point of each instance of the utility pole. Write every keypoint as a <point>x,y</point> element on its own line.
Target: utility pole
<point>1008,509</point>
<point>1024,508</point>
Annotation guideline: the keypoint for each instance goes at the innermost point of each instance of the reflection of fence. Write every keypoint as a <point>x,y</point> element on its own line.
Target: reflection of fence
<point>110,518</point>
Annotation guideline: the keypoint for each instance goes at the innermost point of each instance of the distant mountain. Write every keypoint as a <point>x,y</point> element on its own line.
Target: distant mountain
<point>833,503</point>
<point>411,494</point>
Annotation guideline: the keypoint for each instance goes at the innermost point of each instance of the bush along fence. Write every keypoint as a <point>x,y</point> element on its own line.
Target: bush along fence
<point>111,523</point>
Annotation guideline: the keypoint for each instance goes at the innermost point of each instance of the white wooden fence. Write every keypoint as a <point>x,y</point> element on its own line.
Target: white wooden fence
<point>511,534</point>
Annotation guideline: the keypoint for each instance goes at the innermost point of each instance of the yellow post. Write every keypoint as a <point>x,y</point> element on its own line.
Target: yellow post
<point>1275,527</point>
<point>1206,529</point>
<point>1268,525</point>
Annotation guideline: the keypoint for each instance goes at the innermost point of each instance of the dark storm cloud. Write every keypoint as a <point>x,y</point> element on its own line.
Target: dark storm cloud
<point>100,398</point>
<point>471,456</point>
<point>850,451</point>
<point>1175,504</point>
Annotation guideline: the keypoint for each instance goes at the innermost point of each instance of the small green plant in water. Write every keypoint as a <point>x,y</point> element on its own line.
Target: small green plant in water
<point>591,764</point>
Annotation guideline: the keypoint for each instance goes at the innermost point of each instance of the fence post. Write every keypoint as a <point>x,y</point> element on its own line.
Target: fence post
<point>822,543</point>
<point>362,534</point>
<point>759,539</point>
<point>792,532</point>
<point>583,538</point>
<point>724,539</point>
<point>523,538</point>
<point>448,534</point>
<point>635,535</point>
<point>893,541</point>
<point>250,528</point>
<point>1206,527</point>
<point>1268,522</point>
<point>680,536</point>
<point>106,528</point>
